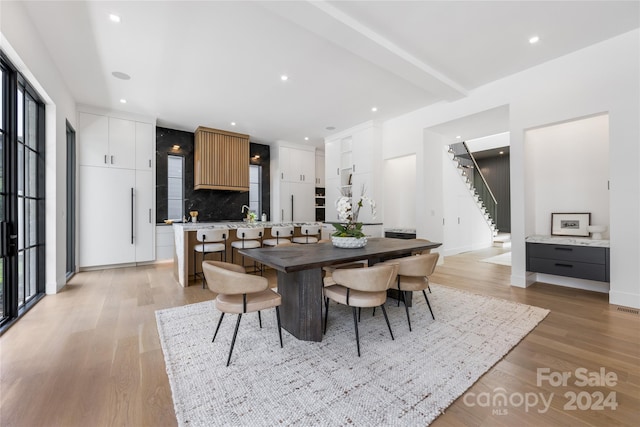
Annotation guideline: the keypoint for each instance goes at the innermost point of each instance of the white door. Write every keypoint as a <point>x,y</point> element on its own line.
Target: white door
<point>144,230</point>
<point>106,216</point>
<point>303,202</point>
<point>285,202</point>
<point>320,172</point>
<point>332,193</point>
<point>332,159</point>
<point>93,140</point>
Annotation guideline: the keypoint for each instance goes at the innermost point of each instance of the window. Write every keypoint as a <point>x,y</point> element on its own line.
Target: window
<point>175,196</point>
<point>255,186</point>
<point>22,200</point>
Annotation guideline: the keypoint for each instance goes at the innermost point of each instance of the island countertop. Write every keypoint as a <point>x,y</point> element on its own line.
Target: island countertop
<point>567,240</point>
<point>184,236</point>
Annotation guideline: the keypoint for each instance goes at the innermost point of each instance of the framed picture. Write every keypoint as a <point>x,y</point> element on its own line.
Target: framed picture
<point>570,224</point>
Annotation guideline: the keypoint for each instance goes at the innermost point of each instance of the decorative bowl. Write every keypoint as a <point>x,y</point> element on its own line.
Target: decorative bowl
<point>348,242</point>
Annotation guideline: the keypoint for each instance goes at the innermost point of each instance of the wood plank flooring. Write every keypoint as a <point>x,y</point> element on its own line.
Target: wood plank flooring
<point>90,355</point>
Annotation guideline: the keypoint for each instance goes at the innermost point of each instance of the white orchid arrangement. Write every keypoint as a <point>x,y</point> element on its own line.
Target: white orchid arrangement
<point>348,214</point>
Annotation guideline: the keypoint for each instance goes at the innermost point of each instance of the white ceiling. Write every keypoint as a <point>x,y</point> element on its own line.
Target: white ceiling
<point>210,62</point>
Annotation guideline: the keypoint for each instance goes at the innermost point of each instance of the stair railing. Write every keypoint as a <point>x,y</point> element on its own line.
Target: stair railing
<point>467,161</point>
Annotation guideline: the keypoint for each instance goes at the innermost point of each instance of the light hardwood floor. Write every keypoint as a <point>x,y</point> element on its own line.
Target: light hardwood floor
<point>90,355</point>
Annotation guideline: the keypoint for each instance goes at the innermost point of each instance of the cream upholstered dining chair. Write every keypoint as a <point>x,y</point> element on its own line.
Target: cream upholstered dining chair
<point>239,293</point>
<point>209,241</point>
<point>281,235</point>
<point>413,275</point>
<point>248,238</point>
<point>358,288</point>
<point>310,234</point>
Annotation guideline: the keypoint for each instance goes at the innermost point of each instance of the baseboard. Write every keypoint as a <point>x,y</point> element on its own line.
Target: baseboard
<point>624,299</point>
<point>570,282</point>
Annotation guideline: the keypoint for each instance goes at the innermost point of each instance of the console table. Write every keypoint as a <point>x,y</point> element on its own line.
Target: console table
<point>569,257</point>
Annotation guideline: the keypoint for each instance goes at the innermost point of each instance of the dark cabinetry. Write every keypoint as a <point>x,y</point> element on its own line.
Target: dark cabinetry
<point>582,262</point>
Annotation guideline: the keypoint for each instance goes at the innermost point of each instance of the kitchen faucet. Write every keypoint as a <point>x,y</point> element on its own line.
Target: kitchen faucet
<point>245,207</point>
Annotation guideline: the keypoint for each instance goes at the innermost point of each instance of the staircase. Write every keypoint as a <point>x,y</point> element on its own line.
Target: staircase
<point>476,183</point>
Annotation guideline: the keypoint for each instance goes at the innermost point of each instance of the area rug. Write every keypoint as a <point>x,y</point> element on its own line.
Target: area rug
<point>502,259</point>
<point>409,381</point>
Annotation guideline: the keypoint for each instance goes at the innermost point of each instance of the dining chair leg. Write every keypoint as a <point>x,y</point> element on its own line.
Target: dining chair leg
<point>259,319</point>
<point>217,327</point>
<point>429,287</point>
<point>359,311</point>
<point>427,300</point>
<point>387,319</point>
<point>326,315</point>
<point>279,324</point>
<point>406,309</point>
<point>355,323</point>
<point>233,341</point>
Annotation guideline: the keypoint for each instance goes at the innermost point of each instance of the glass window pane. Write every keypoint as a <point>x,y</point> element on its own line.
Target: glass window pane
<point>175,186</point>
<point>20,279</point>
<point>254,173</point>
<point>31,273</point>
<point>20,170</point>
<point>32,169</point>
<point>31,126</point>
<point>20,114</point>
<point>20,223</point>
<point>33,223</point>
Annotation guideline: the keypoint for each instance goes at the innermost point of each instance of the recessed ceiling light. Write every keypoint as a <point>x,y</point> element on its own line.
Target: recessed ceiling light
<point>330,128</point>
<point>502,152</point>
<point>534,39</point>
<point>120,75</point>
<point>458,137</point>
<point>374,109</point>
<point>233,123</point>
<point>123,101</point>
<point>284,77</point>
<point>306,138</point>
<point>176,147</point>
<point>114,18</point>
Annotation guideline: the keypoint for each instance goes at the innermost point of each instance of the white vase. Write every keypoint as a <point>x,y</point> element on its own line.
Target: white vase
<point>348,242</point>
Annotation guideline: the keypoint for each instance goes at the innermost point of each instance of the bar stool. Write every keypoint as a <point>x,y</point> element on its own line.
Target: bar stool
<point>310,234</point>
<point>282,235</point>
<point>248,238</point>
<point>212,240</point>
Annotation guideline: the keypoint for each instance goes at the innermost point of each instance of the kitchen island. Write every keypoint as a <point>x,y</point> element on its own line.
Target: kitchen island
<point>185,237</point>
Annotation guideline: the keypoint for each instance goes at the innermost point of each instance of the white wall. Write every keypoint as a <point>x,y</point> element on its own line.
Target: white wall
<point>400,192</point>
<point>20,41</point>
<point>600,78</point>
<point>465,228</point>
<point>569,165</point>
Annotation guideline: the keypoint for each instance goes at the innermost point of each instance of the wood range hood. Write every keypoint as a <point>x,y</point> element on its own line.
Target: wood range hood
<point>221,160</point>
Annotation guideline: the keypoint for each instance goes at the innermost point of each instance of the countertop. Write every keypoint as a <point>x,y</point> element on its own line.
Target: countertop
<point>567,240</point>
<point>401,230</point>
<point>186,226</point>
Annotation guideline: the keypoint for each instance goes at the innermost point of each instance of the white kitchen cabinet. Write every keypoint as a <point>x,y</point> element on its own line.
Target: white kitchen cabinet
<point>320,172</point>
<point>297,202</point>
<point>297,165</point>
<point>332,193</point>
<point>116,191</point>
<point>145,146</point>
<point>354,158</point>
<point>144,226</point>
<point>105,216</point>
<point>106,141</point>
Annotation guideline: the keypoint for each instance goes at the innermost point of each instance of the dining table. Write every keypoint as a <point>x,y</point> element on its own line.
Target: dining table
<point>300,281</point>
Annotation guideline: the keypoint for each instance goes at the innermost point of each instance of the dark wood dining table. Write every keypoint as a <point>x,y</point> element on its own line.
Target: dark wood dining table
<point>299,269</point>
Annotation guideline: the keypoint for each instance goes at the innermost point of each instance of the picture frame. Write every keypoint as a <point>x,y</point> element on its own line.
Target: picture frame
<point>570,224</point>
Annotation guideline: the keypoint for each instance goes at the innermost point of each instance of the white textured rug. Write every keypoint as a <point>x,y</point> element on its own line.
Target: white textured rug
<point>502,259</point>
<point>409,381</point>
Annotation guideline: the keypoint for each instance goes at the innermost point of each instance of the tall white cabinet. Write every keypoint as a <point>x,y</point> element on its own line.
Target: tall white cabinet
<point>116,180</point>
<point>293,183</point>
<point>353,162</point>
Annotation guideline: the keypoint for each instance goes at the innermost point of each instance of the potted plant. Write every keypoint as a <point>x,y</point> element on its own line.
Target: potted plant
<point>349,233</point>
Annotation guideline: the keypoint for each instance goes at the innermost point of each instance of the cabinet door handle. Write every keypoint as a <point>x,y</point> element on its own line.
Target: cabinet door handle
<point>282,214</point>
<point>563,265</point>
<point>149,162</point>
<point>337,171</point>
<point>354,167</point>
<point>105,159</point>
<point>111,159</point>
<point>281,175</point>
<point>132,215</point>
<point>564,249</point>
<point>149,216</point>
